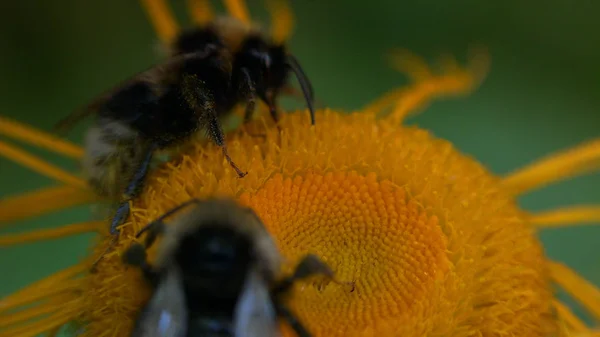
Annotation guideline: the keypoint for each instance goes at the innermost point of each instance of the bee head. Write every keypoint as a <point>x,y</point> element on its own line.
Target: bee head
<point>268,67</point>
<point>279,71</point>
<point>253,58</point>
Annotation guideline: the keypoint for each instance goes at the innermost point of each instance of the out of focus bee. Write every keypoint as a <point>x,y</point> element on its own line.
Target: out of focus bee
<point>215,275</point>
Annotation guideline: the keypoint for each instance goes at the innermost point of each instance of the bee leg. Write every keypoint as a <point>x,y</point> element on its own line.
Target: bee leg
<point>251,100</point>
<point>292,320</point>
<point>131,191</point>
<point>136,255</point>
<point>215,132</point>
<point>251,96</point>
<point>112,244</point>
<point>310,265</point>
<point>235,167</point>
<point>123,209</point>
<point>271,103</point>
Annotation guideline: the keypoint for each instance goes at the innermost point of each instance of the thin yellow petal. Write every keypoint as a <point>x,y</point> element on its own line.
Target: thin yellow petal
<point>162,19</point>
<point>49,306</point>
<point>581,289</point>
<point>412,103</point>
<point>42,201</point>
<point>451,84</point>
<point>388,99</point>
<point>453,81</point>
<point>47,324</point>
<point>410,64</point>
<point>38,138</point>
<point>580,159</point>
<point>589,333</point>
<point>47,287</point>
<point>571,319</point>
<point>238,9</point>
<point>566,217</point>
<point>35,294</point>
<point>49,234</point>
<point>200,11</point>
<point>14,153</point>
<point>479,64</point>
<point>282,20</point>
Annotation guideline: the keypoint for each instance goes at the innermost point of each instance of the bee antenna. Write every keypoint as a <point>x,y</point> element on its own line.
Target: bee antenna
<point>305,85</point>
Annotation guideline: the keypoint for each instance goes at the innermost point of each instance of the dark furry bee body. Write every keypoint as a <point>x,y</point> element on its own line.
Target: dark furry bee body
<point>215,275</point>
<point>260,68</point>
<point>209,70</point>
<point>154,110</point>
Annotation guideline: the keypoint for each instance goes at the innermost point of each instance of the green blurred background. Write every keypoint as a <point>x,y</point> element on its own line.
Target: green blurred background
<point>542,95</point>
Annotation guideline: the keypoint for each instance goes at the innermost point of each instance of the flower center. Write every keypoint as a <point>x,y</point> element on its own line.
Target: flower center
<point>368,232</point>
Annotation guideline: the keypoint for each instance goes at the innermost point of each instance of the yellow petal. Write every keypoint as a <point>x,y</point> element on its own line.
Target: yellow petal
<point>238,10</point>
<point>49,234</point>
<point>42,201</point>
<point>162,19</point>
<point>564,217</point>
<point>582,290</point>
<point>282,20</point>
<point>578,160</point>
<point>19,156</point>
<point>38,138</point>
<point>200,11</point>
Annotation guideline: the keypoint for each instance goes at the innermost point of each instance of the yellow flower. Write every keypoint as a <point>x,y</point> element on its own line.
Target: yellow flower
<point>434,243</point>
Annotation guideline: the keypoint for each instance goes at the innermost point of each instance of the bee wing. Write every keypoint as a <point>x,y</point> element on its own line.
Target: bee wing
<point>254,314</point>
<point>165,315</point>
<point>150,74</point>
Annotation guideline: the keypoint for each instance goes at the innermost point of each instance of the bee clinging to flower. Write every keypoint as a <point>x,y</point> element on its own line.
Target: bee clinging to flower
<point>154,110</point>
<point>210,69</point>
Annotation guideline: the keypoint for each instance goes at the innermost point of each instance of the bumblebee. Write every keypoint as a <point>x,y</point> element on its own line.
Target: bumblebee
<point>154,110</point>
<point>215,274</point>
<point>209,70</point>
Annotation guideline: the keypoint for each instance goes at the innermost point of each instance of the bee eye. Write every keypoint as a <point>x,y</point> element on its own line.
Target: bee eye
<point>264,58</point>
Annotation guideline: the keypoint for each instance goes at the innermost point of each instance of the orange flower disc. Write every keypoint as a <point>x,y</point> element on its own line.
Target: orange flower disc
<point>392,251</point>
<point>431,242</point>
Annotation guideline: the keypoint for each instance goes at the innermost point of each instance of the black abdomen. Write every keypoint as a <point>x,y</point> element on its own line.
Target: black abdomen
<point>215,262</point>
<point>210,326</point>
<point>159,116</point>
